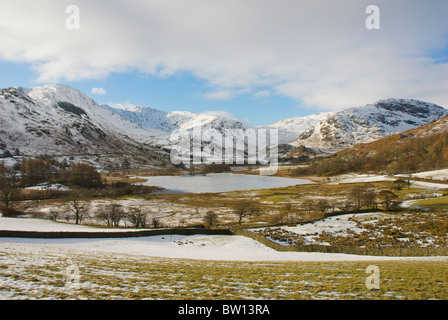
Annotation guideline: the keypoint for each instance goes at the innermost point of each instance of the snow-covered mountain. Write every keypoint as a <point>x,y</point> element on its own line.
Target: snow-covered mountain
<point>145,117</point>
<point>326,131</point>
<point>334,131</point>
<point>58,119</point>
<point>167,122</point>
<point>291,129</point>
<point>151,119</point>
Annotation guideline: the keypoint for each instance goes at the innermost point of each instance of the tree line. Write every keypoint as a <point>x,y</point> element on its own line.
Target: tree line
<point>31,172</point>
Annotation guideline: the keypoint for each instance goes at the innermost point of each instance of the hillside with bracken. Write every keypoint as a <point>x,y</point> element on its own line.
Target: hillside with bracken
<point>420,149</point>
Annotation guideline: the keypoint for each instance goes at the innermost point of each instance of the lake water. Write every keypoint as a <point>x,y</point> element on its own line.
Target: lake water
<point>220,182</point>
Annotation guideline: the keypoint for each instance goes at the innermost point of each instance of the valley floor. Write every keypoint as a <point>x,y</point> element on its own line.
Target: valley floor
<point>215,267</point>
<point>199,267</point>
<point>31,271</point>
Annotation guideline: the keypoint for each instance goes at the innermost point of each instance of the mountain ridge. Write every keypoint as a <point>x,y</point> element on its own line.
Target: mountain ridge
<point>348,127</point>
<point>419,149</point>
<point>58,118</point>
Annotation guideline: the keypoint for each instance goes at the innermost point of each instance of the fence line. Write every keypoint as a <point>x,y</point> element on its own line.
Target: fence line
<point>112,234</point>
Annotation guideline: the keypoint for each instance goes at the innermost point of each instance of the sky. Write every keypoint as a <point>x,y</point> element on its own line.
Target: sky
<point>258,60</point>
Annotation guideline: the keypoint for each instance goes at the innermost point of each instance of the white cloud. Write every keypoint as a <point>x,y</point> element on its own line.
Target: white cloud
<point>318,52</point>
<point>262,94</point>
<point>219,95</point>
<point>98,91</point>
<point>225,94</point>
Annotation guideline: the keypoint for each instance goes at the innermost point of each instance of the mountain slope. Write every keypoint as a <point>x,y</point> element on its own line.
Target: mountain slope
<point>146,117</point>
<point>419,149</point>
<point>290,129</point>
<point>154,119</point>
<point>58,119</point>
<point>335,131</point>
<point>327,131</point>
<point>166,123</point>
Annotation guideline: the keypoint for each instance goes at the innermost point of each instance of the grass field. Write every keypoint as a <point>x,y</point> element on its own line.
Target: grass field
<point>38,272</point>
<point>43,273</point>
<point>433,204</point>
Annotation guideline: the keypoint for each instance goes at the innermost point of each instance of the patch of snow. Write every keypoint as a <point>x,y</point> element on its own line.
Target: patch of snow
<point>429,185</point>
<point>360,178</point>
<point>29,224</point>
<point>434,174</point>
<point>201,247</point>
<point>48,186</point>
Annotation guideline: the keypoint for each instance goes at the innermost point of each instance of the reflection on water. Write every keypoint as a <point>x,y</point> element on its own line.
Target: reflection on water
<point>220,182</point>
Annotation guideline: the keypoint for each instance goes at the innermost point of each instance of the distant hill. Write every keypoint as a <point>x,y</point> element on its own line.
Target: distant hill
<point>420,149</point>
<point>58,120</point>
<point>335,131</point>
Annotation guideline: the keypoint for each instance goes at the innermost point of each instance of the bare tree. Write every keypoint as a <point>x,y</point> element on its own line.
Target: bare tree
<point>137,217</point>
<point>308,206</point>
<point>78,208</point>
<point>323,206</point>
<point>182,222</point>
<point>155,221</point>
<point>363,196</point>
<point>388,198</point>
<point>370,198</point>
<point>245,209</point>
<point>333,206</point>
<point>357,196</point>
<point>102,215</point>
<point>111,214</point>
<point>210,218</point>
<point>9,185</point>
<point>53,215</point>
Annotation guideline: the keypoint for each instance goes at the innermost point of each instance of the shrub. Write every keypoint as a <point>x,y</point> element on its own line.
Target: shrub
<point>216,168</point>
<point>210,218</point>
<point>9,212</point>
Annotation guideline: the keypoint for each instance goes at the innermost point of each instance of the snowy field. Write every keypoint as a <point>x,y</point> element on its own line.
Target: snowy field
<point>435,174</point>
<point>360,178</point>
<point>338,223</point>
<point>29,224</point>
<point>366,178</point>
<point>199,267</point>
<point>201,247</point>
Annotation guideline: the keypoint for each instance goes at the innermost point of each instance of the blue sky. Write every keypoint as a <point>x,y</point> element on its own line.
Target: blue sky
<point>180,92</point>
<point>259,60</point>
